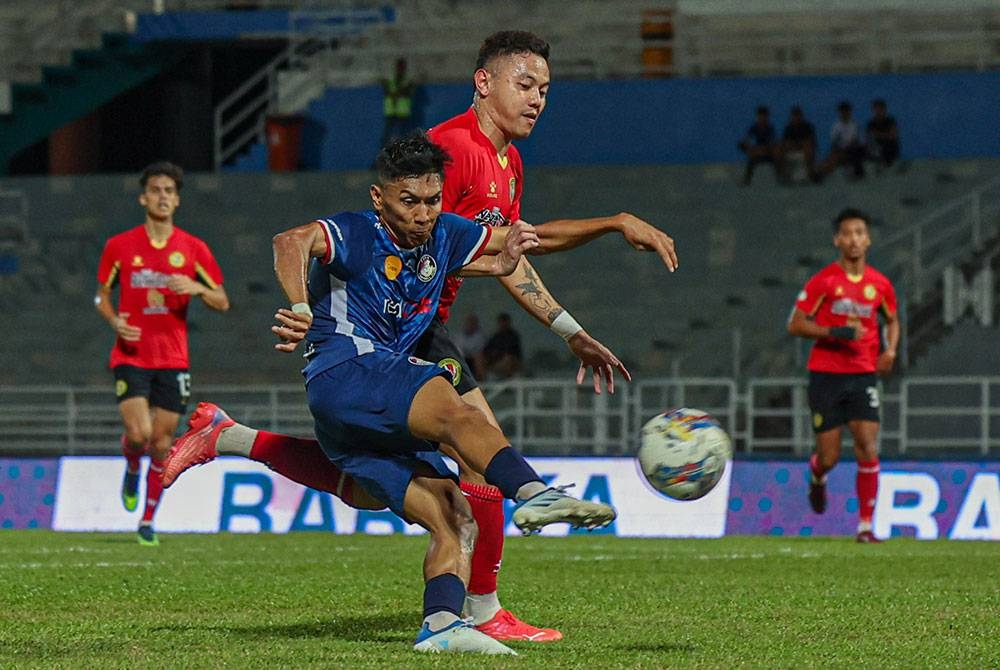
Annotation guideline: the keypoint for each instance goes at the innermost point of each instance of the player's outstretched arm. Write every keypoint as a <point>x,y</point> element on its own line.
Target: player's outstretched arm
<point>527,288</point>
<point>502,252</point>
<point>563,234</point>
<point>292,251</point>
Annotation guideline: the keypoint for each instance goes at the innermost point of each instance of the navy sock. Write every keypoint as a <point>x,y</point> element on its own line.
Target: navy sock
<point>444,593</point>
<point>508,471</point>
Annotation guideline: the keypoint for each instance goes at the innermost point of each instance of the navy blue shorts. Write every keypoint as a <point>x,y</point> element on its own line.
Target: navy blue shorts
<point>361,407</point>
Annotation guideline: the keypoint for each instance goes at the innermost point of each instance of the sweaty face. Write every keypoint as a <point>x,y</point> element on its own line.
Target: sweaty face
<point>160,197</point>
<point>852,239</point>
<point>513,91</point>
<point>409,207</point>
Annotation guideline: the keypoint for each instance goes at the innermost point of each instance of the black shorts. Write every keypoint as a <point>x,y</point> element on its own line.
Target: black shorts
<point>167,389</point>
<point>437,346</point>
<point>836,399</point>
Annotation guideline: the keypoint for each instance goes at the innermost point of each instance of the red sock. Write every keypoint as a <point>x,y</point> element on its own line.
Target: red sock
<point>132,454</point>
<point>302,461</point>
<point>867,485</point>
<point>154,489</point>
<point>487,509</point>
<point>814,467</point>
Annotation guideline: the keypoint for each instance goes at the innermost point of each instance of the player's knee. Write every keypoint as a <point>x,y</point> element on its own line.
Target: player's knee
<point>465,419</point>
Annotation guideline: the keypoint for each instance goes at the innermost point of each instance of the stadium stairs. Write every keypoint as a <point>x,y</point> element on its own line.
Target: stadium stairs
<point>65,93</point>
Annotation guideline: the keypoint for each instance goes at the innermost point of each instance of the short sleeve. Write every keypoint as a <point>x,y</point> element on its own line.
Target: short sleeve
<point>812,295</point>
<point>889,299</point>
<point>109,265</point>
<point>206,267</point>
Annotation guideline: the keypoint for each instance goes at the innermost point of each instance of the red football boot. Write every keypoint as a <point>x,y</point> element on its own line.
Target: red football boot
<point>505,626</point>
<point>197,445</point>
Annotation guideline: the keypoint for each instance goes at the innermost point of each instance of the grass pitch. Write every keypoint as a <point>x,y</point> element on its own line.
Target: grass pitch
<point>324,601</point>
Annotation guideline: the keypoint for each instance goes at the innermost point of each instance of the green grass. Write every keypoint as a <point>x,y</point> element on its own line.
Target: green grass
<point>323,601</point>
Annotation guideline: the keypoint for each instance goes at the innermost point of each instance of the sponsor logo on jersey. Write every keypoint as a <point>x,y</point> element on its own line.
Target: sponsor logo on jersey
<point>393,266</point>
<point>426,268</point>
<point>149,279</point>
<point>393,308</point>
<point>493,190</point>
<point>513,188</point>
<point>453,367</point>
<point>869,292</point>
<point>490,217</point>
<point>121,387</point>
<point>176,260</point>
<point>137,261</point>
<point>839,291</point>
<point>850,308</point>
<point>156,303</point>
<point>418,361</point>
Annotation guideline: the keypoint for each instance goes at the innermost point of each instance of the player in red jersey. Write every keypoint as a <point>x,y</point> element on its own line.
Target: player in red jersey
<point>483,183</point>
<point>157,268</point>
<point>839,308</point>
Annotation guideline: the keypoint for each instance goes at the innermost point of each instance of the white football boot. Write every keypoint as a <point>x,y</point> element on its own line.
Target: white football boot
<point>553,506</point>
<point>460,636</point>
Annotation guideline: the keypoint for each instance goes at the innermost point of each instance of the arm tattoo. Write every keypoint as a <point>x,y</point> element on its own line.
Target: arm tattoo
<point>538,297</point>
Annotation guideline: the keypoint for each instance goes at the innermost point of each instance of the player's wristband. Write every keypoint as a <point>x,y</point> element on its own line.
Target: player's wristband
<point>565,326</point>
<point>843,332</point>
<point>302,308</point>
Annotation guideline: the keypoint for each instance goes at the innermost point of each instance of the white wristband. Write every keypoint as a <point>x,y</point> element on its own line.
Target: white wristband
<point>302,308</point>
<point>565,326</point>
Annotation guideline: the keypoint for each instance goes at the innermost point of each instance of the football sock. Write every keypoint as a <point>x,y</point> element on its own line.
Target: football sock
<point>443,598</point>
<point>510,473</point>
<point>237,440</point>
<point>154,488</point>
<point>481,606</point>
<point>867,487</point>
<point>487,509</point>
<point>818,474</point>
<point>301,460</point>
<point>132,454</point>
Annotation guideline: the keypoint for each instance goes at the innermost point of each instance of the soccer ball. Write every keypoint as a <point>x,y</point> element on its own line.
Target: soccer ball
<point>683,453</point>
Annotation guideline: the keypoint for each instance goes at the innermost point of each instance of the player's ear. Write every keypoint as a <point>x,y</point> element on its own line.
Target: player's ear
<point>142,199</point>
<point>482,81</point>
<point>376,194</point>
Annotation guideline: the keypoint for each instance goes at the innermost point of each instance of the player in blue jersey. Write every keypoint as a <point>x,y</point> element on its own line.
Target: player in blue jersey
<point>381,413</point>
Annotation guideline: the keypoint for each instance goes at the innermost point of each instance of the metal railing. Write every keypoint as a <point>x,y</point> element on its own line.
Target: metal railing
<point>557,417</point>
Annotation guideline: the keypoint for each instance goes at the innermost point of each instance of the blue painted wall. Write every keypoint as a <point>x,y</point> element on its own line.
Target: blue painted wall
<point>943,115</point>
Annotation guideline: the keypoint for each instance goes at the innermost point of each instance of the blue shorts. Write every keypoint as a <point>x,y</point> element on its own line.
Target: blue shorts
<point>361,407</point>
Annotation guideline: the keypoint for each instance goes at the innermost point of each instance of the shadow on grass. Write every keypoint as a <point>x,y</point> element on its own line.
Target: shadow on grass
<point>368,628</point>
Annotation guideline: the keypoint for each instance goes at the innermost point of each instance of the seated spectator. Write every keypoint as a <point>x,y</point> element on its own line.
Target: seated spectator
<point>471,342</point>
<point>503,350</point>
<point>800,138</point>
<point>882,136</point>
<point>845,145</point>
<point>760,144</point>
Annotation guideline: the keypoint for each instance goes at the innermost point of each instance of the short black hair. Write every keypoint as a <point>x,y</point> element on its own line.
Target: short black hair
<point>509,42</point>
<point>850,213</point>
<point>411,156</point>
<point>162,168</point>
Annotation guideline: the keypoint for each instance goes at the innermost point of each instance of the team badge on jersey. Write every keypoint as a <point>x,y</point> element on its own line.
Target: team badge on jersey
<point>393,266</point>
<point>176,260</point>
<point>137,261</point>
<point>426,268</point>
<point>869,292</point>
<point>513,188</point>
<point>453,367</point>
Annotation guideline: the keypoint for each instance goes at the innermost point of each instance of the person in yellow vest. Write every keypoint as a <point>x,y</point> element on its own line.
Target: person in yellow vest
<point>397,103</point>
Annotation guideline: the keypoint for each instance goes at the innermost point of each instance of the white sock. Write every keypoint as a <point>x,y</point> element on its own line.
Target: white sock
<point>530,489</point>
<point>236,440</point>
<point>481,606</point>
<point>864,526</point>
<point>439,620</point>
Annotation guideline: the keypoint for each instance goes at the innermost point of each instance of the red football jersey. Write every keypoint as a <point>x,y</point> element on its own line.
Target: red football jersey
<point>478,183</point>
<point>141,269</point>
<point>834,298</point>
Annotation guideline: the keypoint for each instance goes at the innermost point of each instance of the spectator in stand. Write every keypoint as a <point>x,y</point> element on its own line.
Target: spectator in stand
<point>799,137</point>
<point>882,136</point>
<point>503,350</point>
<point>845,145</point>
<point>761,145</point>
<point>397,103</point>
<point>471,341</point>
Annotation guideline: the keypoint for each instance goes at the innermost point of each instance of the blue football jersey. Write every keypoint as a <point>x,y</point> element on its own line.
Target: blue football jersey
<point>368,293</point>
